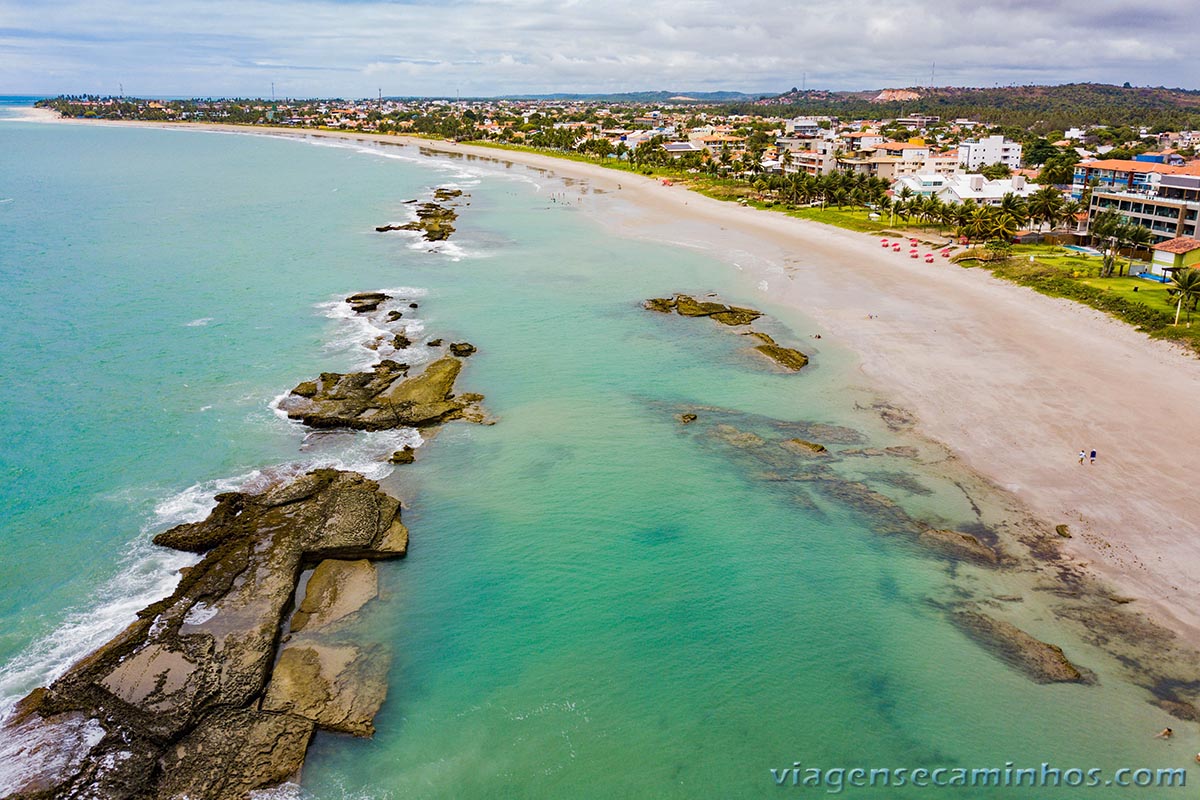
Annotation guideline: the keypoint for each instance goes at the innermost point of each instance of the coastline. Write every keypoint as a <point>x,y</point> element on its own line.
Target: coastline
<point>1012,382</point>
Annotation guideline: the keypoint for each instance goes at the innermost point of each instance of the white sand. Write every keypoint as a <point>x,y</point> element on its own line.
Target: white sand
<point>1014,383</point>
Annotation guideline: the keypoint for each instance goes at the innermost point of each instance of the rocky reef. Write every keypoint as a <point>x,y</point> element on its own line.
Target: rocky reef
<point>733,316</point>
<point>217,690</point>
<point>383,398</point>
<point>688,306</point>
<point>435,219</point>
<point>1042,662</point>
<point>196,698</point>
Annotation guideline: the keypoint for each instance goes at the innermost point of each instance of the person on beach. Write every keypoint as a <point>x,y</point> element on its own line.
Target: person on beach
<point>1165,733</point>
<point>1082,456</point>
<point>1093,457</point>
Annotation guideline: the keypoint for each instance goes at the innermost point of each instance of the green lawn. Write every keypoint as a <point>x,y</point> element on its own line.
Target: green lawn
<point>1136,290</point>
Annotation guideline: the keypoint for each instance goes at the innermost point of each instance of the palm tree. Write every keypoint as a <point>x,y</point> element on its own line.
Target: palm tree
<point>1003,225</point>
<point>1072,209</point>
<point>1045,204</point>
<point>1185,285</point>
<point>1015,206</point>
<point>1137,237</point>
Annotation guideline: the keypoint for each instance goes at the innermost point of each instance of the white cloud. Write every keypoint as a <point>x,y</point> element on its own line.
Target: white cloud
<point>327,47</point>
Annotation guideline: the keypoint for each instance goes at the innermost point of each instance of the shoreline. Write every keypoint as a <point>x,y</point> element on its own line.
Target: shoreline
<point>1012,382</point>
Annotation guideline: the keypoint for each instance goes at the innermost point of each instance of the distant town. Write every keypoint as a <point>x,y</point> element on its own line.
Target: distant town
<point>1123,199</point>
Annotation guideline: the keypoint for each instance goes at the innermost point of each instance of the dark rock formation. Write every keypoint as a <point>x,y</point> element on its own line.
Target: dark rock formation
<point>363,302</point>
<point>687,419</point>
<point>381,399</point>
<point>403,456</point>
<point>434,343</point>
<point>1063,531</point>
<point>1042,662</point>
<point>170,707</point>
<point>688,306</point>
<point>443,194</point>
<point>785,357</point>
<point>462,349</point>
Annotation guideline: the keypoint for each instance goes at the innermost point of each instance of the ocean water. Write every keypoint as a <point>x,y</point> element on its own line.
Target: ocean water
<point>599,601</point>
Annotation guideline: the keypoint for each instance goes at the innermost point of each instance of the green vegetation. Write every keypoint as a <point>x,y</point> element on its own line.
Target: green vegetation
<point>1148,306</point>
<point>1036,109</point>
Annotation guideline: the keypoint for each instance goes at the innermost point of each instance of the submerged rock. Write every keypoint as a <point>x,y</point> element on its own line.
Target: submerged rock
<point>181,686</point>
<point>805,446</point>
<point>1042,662</point>
<point>959,545</point>
<point>381,399</point>
<point>785,357</point>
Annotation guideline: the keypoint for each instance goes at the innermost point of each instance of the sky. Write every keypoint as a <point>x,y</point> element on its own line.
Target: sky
<point>474,48</point>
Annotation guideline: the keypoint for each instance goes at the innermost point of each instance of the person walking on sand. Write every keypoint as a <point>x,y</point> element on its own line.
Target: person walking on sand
<point>1093,457</point>
<point>1082,456</point>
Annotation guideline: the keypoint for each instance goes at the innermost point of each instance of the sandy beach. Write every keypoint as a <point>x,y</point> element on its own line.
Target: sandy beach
<point>1012,382</point>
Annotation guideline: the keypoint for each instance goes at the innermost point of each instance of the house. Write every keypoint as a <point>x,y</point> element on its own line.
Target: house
<point>1175,254</point>
<point>680,149</point>
<point>959,188</point>
<point>976,153</point>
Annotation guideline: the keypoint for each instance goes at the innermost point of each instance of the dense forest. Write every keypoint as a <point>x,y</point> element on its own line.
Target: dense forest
<point>1035,108</point>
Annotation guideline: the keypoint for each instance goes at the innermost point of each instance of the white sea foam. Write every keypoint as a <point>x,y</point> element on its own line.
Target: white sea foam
<point>368,337</point>
<point>6,200</point>
<point>144,574</point>
<point>199,323</point>
<point>147,573</point>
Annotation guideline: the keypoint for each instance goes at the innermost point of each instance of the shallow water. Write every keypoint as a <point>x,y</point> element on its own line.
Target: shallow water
<point>599,601</point>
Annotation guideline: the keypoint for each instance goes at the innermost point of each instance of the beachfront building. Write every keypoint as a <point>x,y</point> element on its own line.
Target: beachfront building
<point>1175,254</point>
<point>961,187</point>
<point>1169,206</point>
<point>976,153</point>
<point>1116,174</point>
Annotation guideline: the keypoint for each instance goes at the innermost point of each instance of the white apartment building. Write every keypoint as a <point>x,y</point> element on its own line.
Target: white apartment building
<point>976,153</point>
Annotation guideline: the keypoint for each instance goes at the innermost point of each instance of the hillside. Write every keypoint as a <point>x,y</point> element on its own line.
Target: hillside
<point>1047,107</point>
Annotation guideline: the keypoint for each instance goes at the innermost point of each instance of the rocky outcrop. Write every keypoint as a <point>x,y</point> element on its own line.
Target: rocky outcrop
<point>364,302</point>
<point>1042,662</point>
<point>959,545</point>
<point>434,221</point>
<point>735,316</point>
<point>785,357</point>
<point>462,349</point>
<point>337,687</point>
<point>335,590</point>
<point>381,399</point>
<point>170,707</point>
<point>688,306</point>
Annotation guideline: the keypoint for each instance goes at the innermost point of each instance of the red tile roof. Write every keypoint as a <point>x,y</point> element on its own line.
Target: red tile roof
<point>1178,246</point>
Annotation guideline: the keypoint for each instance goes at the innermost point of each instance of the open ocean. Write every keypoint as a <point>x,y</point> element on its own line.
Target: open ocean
<point>599,602</point>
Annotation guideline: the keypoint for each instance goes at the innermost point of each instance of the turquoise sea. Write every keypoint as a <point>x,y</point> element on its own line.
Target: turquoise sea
<point>599,602</point>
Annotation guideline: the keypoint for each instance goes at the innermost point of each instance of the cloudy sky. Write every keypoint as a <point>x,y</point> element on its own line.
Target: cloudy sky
<point>355,48</point>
